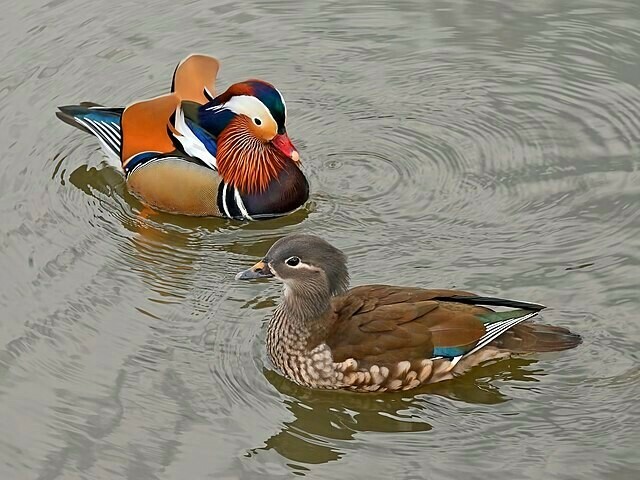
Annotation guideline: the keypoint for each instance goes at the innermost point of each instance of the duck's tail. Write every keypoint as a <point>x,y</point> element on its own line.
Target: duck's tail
<point>512,330</point>
<point>102,122</point>
<point>530,337</point>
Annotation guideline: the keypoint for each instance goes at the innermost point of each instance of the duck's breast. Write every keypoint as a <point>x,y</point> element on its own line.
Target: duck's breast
<point>287,192</point>
<point>177,186</point>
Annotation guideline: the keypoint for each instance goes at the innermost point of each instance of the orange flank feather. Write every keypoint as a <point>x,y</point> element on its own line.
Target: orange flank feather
<point>195,74</point>
<point>245,161</point>
<point>144,126</point>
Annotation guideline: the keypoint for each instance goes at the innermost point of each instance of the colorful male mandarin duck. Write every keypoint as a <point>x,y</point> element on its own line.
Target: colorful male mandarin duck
<point>193,153</point>
<point>377,338</point>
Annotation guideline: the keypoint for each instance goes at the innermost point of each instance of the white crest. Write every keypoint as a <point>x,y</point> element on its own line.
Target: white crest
<point>246,105</point>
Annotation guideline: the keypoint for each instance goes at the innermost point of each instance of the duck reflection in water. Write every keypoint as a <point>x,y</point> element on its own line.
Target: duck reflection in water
<point>325,420</point>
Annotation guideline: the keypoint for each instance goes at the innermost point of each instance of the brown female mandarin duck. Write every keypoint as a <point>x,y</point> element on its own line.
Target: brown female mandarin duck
<point>193,153</point>
<point>376,338</point>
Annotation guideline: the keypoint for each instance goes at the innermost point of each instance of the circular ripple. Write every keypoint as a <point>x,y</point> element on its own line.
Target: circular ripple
<point>488,148</point>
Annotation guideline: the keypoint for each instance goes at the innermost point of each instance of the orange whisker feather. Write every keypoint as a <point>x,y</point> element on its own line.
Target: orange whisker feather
<point>246,162</point>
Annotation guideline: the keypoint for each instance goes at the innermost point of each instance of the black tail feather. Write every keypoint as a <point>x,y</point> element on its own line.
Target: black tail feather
<point>66,115</point>
<point>69,113</point>
<point>492,302</point>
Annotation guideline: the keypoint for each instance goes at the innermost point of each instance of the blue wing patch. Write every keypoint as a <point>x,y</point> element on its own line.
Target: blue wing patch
<point>449,352</point>
<point>207,140</point>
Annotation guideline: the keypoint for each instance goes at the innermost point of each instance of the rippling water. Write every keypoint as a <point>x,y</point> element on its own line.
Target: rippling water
<point>491,146</point>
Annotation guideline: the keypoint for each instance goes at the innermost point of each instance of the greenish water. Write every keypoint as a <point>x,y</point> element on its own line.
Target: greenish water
<point>486,145</point>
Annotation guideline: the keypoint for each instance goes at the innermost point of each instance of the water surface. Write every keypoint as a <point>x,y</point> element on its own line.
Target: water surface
<point>491,146</point>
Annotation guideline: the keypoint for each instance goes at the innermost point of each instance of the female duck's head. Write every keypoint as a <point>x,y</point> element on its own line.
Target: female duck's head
<point>311,268</point>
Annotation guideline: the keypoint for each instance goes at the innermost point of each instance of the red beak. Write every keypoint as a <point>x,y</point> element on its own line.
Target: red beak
<point>283,143</point>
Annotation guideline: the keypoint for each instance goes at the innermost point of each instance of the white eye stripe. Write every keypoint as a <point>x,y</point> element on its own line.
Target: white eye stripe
<point>246,105</point>
<point>305,265</point>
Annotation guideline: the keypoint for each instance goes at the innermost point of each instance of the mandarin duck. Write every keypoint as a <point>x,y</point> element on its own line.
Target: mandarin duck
<point>376,338</point>
<point>193,153</point>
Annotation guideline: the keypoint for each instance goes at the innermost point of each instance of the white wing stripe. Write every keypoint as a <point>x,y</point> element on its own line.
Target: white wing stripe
<point>113,127</point>
<point>497,329</point>
<point>107,146</point>
<point>106,133</point>
<point>191,144</point>
<point>91,127</point>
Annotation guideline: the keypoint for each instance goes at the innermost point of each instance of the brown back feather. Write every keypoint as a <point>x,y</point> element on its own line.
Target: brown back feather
<point>385,324</point>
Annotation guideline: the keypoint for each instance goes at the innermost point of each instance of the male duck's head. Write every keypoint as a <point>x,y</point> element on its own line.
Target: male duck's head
<point>309,266</point>
<point>248,120</point>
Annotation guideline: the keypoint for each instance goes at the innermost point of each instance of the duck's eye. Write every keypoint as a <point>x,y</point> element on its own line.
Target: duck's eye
<point>292,261</point>
<point>257,121</point>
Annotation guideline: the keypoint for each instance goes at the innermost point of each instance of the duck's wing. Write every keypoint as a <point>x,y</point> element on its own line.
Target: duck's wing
<point>158,171</point>
<point>194,140</point>
<point>382,324</point>
<point>146,130</point>
<point>194,78</point>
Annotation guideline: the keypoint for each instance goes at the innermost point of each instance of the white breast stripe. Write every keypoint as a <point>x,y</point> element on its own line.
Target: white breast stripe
<point>241,206</point>
<point>224,201</point>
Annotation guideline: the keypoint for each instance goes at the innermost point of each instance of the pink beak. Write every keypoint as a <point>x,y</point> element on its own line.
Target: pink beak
<point>283,143</point>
